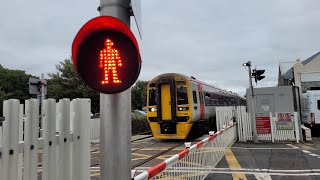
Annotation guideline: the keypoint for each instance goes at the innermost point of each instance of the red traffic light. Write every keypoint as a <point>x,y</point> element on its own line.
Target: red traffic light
<point>106,55</point>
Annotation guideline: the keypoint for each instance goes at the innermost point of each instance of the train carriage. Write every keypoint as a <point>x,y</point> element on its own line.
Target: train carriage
<point>178,106</point>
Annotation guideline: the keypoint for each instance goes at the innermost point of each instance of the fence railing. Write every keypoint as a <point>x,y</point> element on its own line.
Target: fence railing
<point>224,115</point>
<point>197,161</point>
<point>275,133</point>
<point>65,155</point>
<point>95,129</point>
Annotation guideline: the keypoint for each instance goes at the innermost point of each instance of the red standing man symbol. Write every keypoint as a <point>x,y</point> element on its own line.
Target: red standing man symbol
<point>110,60</point>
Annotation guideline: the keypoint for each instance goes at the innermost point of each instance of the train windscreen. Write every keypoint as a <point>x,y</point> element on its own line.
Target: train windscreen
<point>152,97</point>
<point>182,95</point>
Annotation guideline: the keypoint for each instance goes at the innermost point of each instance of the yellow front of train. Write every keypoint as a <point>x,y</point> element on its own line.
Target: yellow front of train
<point>169,108</point>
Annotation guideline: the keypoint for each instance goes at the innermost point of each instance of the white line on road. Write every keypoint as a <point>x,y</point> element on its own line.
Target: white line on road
<point>305,151</point>
<point>294,147</point>
<point>271,170</point>
<point>267,173</point>
<point>262,176</point>
<point>314,155</point>
<point>263,148</point>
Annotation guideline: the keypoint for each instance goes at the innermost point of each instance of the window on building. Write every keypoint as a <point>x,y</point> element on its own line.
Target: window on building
<point>318,104</point>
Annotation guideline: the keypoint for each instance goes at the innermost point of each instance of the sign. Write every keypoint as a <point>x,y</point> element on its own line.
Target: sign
<point>106,55</point>
<point>35,86</point>
<point>284,121</point>
<point>263,123</point>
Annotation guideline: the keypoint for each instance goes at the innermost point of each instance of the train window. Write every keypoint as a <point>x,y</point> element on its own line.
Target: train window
<point>319,104</point>
<point>152,85</point>
<point>182,96</point>
<point>213,102</point>
<point>207,99</point>
<point>194,93</point>
<point>180,83</point>
<point>152,97</point>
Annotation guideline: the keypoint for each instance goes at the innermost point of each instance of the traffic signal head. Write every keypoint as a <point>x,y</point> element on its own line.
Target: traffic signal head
<point>106,55</point>
<point>256,74</point>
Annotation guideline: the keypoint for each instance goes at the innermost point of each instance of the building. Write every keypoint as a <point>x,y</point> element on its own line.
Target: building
<point>304,74</point>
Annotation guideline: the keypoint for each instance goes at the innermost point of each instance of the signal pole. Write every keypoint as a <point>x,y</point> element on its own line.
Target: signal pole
<point>115,113</point>
<point>252,109</point>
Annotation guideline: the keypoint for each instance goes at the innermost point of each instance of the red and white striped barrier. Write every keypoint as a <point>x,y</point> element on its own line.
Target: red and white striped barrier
<point>153,171</point>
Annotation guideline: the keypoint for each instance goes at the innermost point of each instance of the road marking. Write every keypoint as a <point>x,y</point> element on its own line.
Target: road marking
<point>234,164</point>
<point>305,151</point>
<point>313,154</point>
<point>261,176</point>
<point>306,147</point>
<point>295,147</point>
<point>267,173</point>
<point>142,156</point>
<point>264,148</point>
<point>271,170</point>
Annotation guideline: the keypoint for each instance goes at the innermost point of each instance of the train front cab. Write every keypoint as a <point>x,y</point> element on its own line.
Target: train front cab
<point>169,108</point>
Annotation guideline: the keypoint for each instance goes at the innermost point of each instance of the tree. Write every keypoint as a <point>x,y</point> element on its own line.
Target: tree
<point>13,85</point>
<point>65,83</point>
<point>139,95</point>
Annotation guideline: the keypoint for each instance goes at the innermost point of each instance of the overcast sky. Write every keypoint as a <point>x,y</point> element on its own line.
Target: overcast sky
<point>207,39</point>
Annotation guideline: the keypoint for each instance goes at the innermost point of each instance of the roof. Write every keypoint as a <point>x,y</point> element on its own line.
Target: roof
<point>310,58</point>
<point>286,69</point>
<point>289,73</point>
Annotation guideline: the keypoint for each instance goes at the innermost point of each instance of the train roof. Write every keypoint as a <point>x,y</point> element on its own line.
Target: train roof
<point>193,80</point>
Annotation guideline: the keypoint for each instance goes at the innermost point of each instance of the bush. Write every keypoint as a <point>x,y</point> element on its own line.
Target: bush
<point>139,125</point>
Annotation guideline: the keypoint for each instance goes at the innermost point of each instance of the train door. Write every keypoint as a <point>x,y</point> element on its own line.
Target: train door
<point>196,104</point>
<point>165,102</point>
<point>166,108</point>
<point>201,101</point>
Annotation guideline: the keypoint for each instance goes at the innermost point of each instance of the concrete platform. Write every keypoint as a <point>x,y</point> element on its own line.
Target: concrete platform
<point>270,161</point>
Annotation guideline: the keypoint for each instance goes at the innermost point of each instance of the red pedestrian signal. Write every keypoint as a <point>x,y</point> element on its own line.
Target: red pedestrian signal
<point>106,55</point>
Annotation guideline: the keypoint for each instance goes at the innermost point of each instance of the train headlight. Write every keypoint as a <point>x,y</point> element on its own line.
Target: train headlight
<point>183,108</point>
<point>153,109</point>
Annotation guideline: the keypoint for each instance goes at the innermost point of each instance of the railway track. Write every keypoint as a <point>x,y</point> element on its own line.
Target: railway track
<point>95,157</point>
<point>159,148</point>
<point>156,155</point>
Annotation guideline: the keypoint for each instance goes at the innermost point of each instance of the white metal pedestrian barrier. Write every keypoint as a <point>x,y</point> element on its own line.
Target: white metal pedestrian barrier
<point>197,161</point>
<point>224,115</point>
<point>63,155</point>
<point>269,129</point>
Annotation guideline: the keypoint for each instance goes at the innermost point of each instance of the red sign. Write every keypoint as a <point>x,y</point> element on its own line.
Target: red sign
<point>263,125</point>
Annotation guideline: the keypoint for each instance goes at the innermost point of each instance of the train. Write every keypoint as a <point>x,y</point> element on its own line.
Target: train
<point>179,106</point>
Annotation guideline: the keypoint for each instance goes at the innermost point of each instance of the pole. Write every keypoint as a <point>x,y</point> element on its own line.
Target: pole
<point>43,96</point>
<point>253,115</point>
<point>115,114</point>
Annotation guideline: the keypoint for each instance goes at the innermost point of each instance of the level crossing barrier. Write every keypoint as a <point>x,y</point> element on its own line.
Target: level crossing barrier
<point>65,154</point>
<point>196,161</point>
